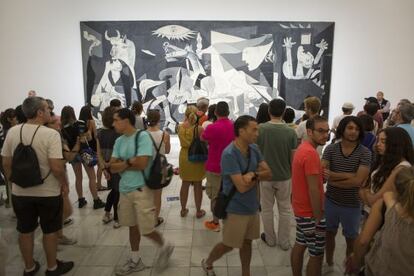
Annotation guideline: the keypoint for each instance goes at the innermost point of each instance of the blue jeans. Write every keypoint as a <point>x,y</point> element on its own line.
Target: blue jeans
<point>349,217</point>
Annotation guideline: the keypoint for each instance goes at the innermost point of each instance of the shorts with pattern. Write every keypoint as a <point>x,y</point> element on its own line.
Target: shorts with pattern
<point>311,235</point>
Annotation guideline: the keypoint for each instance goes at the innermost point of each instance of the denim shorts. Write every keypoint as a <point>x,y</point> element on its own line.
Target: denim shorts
<point>348,217</point>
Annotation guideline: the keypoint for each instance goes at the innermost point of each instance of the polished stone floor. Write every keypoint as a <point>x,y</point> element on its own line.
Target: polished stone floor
<point>101,248</point>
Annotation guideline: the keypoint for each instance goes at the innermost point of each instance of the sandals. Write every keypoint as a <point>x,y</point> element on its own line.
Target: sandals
<point>160,220</point>
<point>200,214</point>
<point>184,213</point>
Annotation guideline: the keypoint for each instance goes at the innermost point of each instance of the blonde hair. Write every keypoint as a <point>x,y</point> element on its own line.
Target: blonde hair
<point>191,115</point>
<point>313,104</point>
<point>404,184</point>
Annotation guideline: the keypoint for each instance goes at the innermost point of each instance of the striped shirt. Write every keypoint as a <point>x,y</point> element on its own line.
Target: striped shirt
<point>361,156</point>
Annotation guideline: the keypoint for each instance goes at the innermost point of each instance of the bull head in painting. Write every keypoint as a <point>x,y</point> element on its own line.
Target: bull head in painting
<point>123,49</point>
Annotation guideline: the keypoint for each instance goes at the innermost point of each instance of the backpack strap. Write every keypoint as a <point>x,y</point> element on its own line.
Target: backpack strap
<point>31,142</point>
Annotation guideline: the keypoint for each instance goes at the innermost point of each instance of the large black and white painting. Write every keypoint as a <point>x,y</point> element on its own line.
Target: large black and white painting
<point>169,64</point>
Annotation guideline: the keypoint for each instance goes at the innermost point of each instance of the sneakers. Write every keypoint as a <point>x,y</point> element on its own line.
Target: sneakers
<point>285,246</point>
<point>67,222</point>
<point>66,241</point>
<point>32,273</point>
<point>164,256</point>
<point>116,224</point>
<point>213,226</point>
<point>327,269</point>
<point>62,268</point>
<point>207,270</point>
<point>98,204</point>
<point>130,267</point>
<point>107,218</point>
<point>82,202</point>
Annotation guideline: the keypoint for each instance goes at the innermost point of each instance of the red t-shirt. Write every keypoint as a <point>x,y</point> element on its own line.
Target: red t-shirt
<point>306,162</point>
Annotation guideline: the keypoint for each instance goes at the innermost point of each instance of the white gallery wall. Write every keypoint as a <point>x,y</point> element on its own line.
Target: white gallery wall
<point>40,41</point>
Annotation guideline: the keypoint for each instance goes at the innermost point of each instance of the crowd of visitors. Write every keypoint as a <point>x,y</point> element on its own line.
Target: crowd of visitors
<point>355,176</point>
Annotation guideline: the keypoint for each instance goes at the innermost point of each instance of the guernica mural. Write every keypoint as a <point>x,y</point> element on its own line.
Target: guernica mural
<point>169,64</point>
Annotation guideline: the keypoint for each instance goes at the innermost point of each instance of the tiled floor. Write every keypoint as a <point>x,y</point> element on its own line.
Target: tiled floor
<point>101,248</point>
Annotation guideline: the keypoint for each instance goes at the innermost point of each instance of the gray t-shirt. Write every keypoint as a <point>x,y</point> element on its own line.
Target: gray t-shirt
<point>48,145</point>
<point>338,162</point>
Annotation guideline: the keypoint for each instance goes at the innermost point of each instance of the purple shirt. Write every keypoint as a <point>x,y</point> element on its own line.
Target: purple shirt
<point>218,136</point>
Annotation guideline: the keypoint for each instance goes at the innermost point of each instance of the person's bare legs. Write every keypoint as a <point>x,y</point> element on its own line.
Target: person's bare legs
<point>198,195</point>
<point>50,248</point>
<point>330,246</point>
<point>26,244</point>
<point>218,251</point>
<point>92,178</point>
<point>77,169</point>
<point>349,246</point>
<point>156,237</point>
<point>314,267</point>
<point>157,202</point>
<point>99,178</point>
<point>185,186</point>
<point>67,212</point>
<point>134,237</point>
<point>296,259</point>
<point>246,257</point>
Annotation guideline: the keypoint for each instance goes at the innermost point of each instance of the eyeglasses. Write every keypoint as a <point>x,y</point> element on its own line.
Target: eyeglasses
<point>322,131</point>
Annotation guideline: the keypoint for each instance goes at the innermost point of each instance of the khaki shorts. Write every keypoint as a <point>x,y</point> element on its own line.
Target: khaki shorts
<point>213,184</point>
<point>137,208</point>
<point>237,228</point>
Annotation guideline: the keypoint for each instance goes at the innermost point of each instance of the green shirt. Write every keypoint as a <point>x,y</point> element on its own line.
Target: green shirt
<point>276,142</point>
<point>125,148</point>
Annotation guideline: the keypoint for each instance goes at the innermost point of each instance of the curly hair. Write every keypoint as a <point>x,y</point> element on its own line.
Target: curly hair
<point>398,146</point>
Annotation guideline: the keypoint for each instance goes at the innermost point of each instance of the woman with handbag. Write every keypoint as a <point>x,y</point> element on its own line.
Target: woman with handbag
<point>71,130</point>
<point>191,173</point>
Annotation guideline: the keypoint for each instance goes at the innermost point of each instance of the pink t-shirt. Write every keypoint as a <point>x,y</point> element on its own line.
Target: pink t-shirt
<point>218,136</point>
<point>305,162</point>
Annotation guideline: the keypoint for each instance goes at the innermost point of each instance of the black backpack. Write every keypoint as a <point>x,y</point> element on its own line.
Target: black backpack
<point>197,152</point>
<point>25,165</point>
<point>161,172</point>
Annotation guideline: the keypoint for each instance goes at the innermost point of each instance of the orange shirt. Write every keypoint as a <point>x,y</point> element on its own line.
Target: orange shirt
<point>306,162</point>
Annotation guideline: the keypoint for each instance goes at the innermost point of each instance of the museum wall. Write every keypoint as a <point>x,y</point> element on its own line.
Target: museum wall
<point>40,44</point>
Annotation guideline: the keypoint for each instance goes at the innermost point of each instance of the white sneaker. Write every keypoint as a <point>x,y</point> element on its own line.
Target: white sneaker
<point>164,256</point>
<point>208,271</point>
<point>327,269</point>
<point>107,218</point>
<point>66,241</point>
<point>130,267</point>
<point>116,224</point>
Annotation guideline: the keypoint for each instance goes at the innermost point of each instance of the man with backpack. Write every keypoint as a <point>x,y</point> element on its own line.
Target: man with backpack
<point>242,166</point>
<point>132,158</point>
<point>32,155</point>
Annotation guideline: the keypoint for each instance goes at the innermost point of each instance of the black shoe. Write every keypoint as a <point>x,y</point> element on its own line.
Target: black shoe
<point>97,203</point>
<point>32,273</point>
<point>82,202</point>
<point>263,237</point>
<point>62,268</point>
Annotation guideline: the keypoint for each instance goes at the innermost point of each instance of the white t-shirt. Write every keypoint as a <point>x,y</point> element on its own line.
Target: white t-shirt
<point>48,145</point>
<point>206,124</point>
<point>157,136</point>
<point>337,119</point>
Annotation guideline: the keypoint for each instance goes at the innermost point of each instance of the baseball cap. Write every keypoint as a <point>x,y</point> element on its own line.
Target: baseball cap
<point>371,100</point>
<point>348,105</point>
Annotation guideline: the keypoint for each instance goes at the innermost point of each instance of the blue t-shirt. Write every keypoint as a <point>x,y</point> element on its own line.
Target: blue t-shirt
<point>410,130</point>
<point>124,149</point>
<point>233,162</point>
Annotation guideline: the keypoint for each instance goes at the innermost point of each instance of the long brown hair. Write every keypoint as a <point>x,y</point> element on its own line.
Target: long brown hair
<point>404,184</point>
<point>67,115</point>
